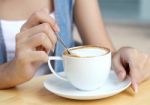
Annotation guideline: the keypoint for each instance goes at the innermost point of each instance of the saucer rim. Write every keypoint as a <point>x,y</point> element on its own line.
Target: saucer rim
<point>85,96</point>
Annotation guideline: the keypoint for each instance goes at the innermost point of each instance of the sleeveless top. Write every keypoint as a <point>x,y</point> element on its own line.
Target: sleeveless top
<point>64,18</point>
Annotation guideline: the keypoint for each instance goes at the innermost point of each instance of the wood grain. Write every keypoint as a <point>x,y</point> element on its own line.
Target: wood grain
<point>33,93</point>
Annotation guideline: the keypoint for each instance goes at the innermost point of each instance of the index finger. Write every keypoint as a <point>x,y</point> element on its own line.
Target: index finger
<point>39,17</point>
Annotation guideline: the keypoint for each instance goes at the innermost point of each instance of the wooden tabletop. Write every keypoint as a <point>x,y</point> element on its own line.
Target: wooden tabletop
<point>34,93</point>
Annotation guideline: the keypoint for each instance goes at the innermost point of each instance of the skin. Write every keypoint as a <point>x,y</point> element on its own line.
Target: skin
<point>37,39</point>
<point>133,63</point>
<point>91,27</point>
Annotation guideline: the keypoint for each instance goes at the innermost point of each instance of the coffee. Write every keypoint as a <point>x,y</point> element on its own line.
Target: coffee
<point>86,51</point>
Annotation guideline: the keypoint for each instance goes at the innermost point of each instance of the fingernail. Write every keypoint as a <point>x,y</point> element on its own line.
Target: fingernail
<point>135,88</point>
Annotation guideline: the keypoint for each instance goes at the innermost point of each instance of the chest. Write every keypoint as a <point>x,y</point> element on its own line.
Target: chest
<point>22,9</point>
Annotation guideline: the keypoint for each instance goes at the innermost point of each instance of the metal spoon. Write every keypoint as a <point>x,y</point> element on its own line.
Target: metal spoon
<point>62,42</point>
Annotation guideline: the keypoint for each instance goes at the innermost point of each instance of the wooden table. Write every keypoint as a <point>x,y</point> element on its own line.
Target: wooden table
<point>34,93</point>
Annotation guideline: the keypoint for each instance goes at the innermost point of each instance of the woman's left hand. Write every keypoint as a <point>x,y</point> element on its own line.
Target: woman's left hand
<point>129,61</point>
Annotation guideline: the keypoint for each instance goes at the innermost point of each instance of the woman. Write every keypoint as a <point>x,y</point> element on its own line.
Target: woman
<point>37,39</point>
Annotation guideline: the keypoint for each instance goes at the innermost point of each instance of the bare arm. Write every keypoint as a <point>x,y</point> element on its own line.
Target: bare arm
<point>8,77</point>
<point>33,44</point>
<point>90,24</point>
<point>91,28</point>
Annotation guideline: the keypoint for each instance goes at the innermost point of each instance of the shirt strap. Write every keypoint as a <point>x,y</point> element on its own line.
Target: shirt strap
<point>3,58</point>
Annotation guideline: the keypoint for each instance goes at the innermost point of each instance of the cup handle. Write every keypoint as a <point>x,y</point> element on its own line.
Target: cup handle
<point>51,68</point>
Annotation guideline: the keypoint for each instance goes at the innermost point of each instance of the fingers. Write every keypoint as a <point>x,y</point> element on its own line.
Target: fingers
<point>39,22</point>
<point>134,83</point>
<point>42,28</point>
<point>130,56</point>
<point>134,77</point>
<point>39,17</point>
<point>36,39</point>
<point>40,39</point>
<point>27,57</point>
<point>137,65</point>
<point>118,67</point>
<point>121,72</point>
<point>39,56</point>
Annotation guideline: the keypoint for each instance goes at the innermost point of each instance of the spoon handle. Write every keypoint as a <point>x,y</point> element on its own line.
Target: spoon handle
<point>62,42</point>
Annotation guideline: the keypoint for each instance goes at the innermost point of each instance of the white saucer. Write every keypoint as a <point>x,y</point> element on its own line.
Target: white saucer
<point>65,89</point>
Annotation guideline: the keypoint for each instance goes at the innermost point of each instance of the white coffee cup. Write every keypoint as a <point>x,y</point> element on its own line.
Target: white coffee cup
<point>87,68</point>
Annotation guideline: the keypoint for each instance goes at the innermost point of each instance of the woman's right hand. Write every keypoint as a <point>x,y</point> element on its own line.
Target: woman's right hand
<point>35,40</point>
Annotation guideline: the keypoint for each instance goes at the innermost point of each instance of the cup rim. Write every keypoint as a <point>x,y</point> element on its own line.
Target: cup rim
<point>77,47</point>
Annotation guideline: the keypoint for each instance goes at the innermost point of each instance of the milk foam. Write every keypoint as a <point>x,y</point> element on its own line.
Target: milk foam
<point>85,52</point>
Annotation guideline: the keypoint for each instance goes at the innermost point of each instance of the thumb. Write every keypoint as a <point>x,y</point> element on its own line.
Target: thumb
<point>133,81</point>
<point>118,68</point>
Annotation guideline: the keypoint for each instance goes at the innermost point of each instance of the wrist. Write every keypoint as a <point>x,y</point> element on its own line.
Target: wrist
<point>8,75</point>
<point>15,72</point>
<point>24,71</point>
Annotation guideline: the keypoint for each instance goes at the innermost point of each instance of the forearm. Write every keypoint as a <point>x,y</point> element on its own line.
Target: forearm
<point>90,24</point>
<point>8,75</point>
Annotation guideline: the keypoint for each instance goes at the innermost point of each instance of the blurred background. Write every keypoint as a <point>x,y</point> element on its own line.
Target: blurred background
<point>127,22</point>
<point>121,10</point>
